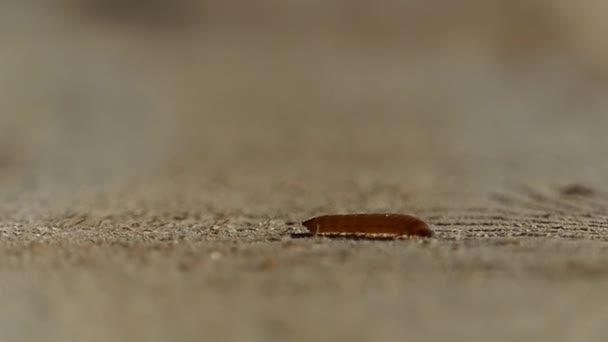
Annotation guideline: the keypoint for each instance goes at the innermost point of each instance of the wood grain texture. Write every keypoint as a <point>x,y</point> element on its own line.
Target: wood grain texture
<point>392,224</point>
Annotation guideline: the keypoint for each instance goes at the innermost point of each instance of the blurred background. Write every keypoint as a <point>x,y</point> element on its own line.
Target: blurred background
<point>95,90</point>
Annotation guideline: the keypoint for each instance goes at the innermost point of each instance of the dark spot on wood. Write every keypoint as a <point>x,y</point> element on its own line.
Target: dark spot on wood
<point>577,190</point>
<point>149,14</point>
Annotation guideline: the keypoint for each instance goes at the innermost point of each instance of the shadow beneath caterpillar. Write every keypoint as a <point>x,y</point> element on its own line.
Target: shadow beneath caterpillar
<point>356,237</point>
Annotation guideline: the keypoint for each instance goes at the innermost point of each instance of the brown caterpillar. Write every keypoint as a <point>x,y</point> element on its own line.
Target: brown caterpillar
<point>368,224</point>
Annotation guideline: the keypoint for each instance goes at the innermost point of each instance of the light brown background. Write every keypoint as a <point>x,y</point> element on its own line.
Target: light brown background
<point>156,156</point>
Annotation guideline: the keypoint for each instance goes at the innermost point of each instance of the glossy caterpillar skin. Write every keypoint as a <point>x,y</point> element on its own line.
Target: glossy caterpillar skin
<point>368,224</point>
